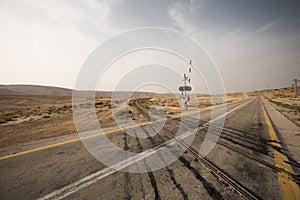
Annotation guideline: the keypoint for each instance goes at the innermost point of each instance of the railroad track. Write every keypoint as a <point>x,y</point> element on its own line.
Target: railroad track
<point>271,166</point>
<point>235,185</point>
<point>295,177</point>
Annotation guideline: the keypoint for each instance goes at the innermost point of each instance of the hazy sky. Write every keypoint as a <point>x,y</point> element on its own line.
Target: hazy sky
<point>255,43</point>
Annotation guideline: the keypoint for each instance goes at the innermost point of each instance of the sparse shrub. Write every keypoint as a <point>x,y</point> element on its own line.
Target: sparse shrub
<point>288,106</point>
<point>8,119</point>
<point>107,104</point>
<point>174,104</point>
<point>7,113</point>
<point>2,121</point>
<point>130,103</point>
<point>51,110</point>
<point>15,116</point>
<point>124,113</point>
<point>66,107</point>
<point>99,103</point>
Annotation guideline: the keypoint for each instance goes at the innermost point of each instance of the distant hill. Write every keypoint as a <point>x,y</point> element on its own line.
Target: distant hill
<point>34,90</point>
<point>5,91</point>
<point>57,91</point>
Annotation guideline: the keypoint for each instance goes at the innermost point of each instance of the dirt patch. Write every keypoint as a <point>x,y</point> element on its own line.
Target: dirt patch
<point>26,119</point>
<point>284,101</point>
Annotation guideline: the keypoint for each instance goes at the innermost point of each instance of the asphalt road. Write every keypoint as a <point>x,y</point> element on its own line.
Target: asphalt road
<point>69,171</point>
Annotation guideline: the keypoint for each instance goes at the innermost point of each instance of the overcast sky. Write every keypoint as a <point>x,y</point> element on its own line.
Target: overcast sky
<point>255,43</point>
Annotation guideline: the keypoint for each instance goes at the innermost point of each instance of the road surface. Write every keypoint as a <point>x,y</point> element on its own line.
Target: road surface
<point>247,151</point>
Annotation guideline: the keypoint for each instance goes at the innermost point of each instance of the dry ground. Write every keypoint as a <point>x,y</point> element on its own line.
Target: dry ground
<point>285,101</point>
<point>26,119</point>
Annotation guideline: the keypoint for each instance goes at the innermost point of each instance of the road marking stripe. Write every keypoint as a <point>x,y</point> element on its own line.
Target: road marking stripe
<point>90,179</point>
<point>289,187</point>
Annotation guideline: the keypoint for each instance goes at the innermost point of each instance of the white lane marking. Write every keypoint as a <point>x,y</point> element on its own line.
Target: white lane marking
<point>90,179</point>
<point>232,110</point>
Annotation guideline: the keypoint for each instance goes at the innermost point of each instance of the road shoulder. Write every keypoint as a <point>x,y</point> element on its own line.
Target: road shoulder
<point>289,133</point>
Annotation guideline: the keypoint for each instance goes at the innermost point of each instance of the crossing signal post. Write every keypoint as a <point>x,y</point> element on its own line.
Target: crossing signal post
<point>186,88</point>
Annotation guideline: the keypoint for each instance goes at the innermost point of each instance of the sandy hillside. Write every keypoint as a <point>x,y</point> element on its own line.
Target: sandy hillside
<point>284,100</point>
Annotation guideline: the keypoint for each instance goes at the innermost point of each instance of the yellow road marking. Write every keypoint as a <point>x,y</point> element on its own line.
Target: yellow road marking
<point>289,187</point>
<point>91,136</point>
<point>71,141</point>
<point>83,138</point>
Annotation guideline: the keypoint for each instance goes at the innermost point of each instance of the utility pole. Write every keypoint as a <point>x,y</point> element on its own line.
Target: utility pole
<point>296,80</point>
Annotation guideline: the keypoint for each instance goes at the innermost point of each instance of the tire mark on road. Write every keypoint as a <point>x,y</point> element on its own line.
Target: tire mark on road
<point>215,194</point>
<point>139,146</point>
<point>127,179</point>
<point>208,187</point>
<point>171,173</point>
<point>150,173</point>
<point>154,184</point>
<point>178,186</point>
